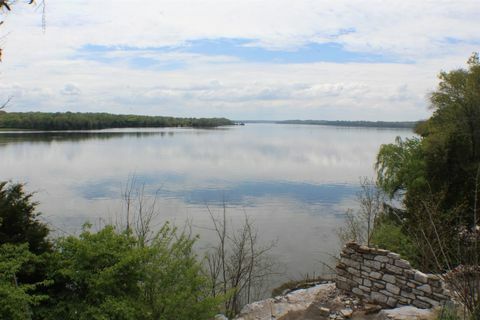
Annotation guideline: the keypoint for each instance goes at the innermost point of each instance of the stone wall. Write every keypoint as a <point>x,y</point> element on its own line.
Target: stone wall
<point>382,277</point>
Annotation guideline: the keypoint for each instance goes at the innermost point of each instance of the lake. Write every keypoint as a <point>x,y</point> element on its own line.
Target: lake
<point>294,181</point>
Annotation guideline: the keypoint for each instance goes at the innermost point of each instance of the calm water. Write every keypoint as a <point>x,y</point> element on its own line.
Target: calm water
<point>294,181</point>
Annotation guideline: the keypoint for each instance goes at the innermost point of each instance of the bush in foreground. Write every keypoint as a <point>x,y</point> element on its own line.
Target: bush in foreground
<point>108,275</point>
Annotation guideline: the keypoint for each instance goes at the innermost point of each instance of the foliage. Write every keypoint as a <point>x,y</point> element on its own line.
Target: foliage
<point>400,166</point>
<point>96,275</point>
<point>451,137</point>
<point>447,156</point>
<point>437,179</point>
<point>389,235</point>
<point>367,124</point>
<point>20,226</point>
<point>16,299</point>
<point>442,165</point>
<point>360,225</point>
<point>19,220</point>
<point>448,313</point>
<point>108,275</point>
<point>89,121</point>
<point>174,287</point>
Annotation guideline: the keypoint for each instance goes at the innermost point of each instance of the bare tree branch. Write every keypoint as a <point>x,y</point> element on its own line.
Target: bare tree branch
<point>4,105</point>
<point>238,265</point>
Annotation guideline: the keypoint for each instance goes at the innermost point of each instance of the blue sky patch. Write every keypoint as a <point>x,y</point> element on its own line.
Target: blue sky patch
<point>241,49</point>
<point>247,50</point>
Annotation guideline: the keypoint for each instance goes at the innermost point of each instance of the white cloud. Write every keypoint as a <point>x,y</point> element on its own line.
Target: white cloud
<point>70,89</point>
<point>46,71</point>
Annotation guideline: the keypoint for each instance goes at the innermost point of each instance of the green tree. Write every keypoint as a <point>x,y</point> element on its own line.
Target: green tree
<point>19,219</point>
<point>110,275</point>
<point>447,155</point>
<point>89,121</point>
<point>175,287</point>
<point>400,167</point>
<point>451,138</point>
<point>16,299</point>
<point>20,226</point>
<point>437,179</point>
<point>436,176</point>
<point>95,277</point>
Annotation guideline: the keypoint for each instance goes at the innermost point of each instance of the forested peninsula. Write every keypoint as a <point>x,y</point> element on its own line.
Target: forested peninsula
<point>342,123</point>
<point>92,121</point>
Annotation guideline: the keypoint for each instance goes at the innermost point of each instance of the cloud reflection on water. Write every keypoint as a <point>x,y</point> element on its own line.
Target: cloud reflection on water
<point>295,181</point>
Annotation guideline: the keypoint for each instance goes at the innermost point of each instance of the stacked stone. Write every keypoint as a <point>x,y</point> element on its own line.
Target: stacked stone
<point>382,277</point>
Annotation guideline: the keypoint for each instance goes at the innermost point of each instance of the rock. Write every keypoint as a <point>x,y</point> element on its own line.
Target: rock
<point>365,268</point>
<point>346,313</point>
<point>364,289</point>
<point>393,288</point>
<point>220,317</point>
<point>378,297</point>
<point>381,258</point>
<point>325,312</point>
<point>352,245</point>
<point>425,288</point>
<point>420,304</point>
<point>358,279</point>
<point>406,313</point>
<point>298,300</point>
<point>354,271</point>
<point>408,295</point>
<point>394,269</point>
<point>350,263</point>
<point>372,308</point>
<point>392,302</point>
<point>357,291</point>
<point>430,301</point>
<point>373,264</point>
<point>379,285</point>
<point>402,264</point>
<point>420,277</point>
<point>409,273</point>
<point>343,285</point>
<point>364,249</point>
<point>389,278</point>
<point>393,255</point>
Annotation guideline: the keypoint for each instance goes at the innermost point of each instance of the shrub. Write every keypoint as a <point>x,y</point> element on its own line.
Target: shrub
<point>389,236</point>
<point>109,275</point>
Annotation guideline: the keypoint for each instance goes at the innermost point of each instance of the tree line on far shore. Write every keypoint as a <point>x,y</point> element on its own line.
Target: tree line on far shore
<point>93,121</point>
<point>366,124</point>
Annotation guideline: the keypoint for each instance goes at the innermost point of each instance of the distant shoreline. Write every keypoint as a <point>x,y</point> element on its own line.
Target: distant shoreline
<point>59,121</point>
<point>63,121</point>
<point>345,123</point>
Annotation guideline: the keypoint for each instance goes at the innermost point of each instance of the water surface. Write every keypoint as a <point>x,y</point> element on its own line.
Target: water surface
<point>294,181</point>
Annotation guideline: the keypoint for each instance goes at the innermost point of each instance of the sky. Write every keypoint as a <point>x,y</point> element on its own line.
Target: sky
<point>240,59</point>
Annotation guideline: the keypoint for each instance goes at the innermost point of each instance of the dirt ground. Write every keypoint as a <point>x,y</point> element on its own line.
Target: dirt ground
<point>314,313</point>
<point>335,302</point>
